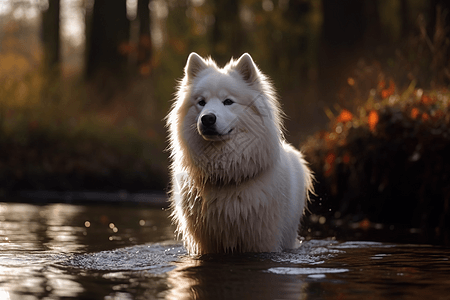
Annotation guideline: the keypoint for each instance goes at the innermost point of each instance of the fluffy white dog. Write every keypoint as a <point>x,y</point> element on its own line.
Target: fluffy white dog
<point>237,186</point>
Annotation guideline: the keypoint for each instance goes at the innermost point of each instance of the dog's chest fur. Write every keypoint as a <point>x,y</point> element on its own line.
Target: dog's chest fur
<point>228,219</point>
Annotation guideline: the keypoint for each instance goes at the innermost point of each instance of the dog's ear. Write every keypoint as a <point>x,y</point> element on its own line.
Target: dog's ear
<point>247,68</point>
<point>195,64</point>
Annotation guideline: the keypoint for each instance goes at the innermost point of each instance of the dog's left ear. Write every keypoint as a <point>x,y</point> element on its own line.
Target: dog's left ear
<point>247,68</point>
<point>195,64</point>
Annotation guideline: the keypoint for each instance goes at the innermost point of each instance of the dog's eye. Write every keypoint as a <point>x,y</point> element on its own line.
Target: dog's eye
<point>228,102</point>
<point>202,102</point>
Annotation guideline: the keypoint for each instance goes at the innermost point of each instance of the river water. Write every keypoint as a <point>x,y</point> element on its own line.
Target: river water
<point>63,251</point>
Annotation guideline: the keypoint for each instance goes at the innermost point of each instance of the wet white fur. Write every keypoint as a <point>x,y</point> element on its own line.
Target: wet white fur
<point>244,191</point>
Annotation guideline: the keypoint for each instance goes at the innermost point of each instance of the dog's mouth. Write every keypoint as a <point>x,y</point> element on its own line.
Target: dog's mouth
<point>211,134</point>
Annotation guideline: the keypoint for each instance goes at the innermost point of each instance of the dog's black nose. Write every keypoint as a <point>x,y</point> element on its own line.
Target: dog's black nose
<point>208,120</point>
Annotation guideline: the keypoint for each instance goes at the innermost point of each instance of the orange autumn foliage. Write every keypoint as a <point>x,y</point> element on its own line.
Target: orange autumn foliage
<point>364,224</point>
<point>373,120</point>
<point>351,81</point>
<point>344,116</point>
<point>330,158</point>
<point>427,100</point>
<point>414,113</point>
<point>389,91</point>
<point>346,158</point>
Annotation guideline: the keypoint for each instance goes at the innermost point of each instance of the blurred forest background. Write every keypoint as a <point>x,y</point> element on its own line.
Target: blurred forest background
<point>85,85</point>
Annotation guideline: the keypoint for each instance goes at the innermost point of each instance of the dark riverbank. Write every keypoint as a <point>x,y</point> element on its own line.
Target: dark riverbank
<point>384,170</point>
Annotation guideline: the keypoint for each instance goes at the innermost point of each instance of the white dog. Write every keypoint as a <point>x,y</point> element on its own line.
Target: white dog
<point>237,186</point>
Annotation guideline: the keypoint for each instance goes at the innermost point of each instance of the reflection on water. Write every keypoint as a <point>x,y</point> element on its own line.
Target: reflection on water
<point>34,239</point>
<point>64,228</point>
<point>100,252</point>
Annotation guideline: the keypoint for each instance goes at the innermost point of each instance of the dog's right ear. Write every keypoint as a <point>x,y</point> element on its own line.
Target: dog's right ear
<point>247,68</point>
<point>195,64</point>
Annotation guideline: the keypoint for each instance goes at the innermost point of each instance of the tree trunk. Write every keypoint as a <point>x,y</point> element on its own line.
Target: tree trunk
<point>227,31</point>
<point>50,37</point>
<point>444,6</point>
<point>109,40</point>
<point>343,22</point>
<point>344,25</point>
<point>145,42</point>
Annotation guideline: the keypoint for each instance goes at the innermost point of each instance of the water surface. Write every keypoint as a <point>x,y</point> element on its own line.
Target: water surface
<point>128,252</point>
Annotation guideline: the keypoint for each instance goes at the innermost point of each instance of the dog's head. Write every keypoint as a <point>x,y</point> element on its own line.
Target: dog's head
<point>225,118</point>
<point>220,98</point>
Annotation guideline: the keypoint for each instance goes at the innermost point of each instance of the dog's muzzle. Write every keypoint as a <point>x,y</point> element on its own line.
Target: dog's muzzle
<point>208,128</point>
<point>208,125</point>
